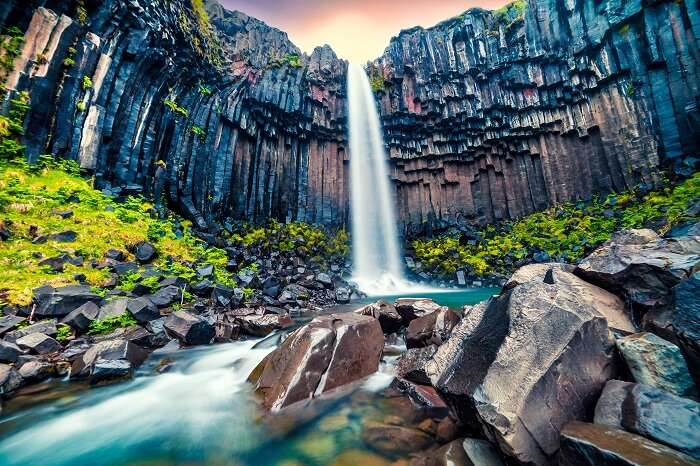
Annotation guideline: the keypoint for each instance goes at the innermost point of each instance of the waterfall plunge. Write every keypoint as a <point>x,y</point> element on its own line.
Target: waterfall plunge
<point>375,240</point>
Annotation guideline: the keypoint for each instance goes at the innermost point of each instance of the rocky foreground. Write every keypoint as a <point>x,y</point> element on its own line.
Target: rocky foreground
<point>577,365</point>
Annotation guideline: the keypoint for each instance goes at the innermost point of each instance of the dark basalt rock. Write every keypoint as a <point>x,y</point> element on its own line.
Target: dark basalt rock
<point>145,252</point>
<point>113,308</point>
<point>189,328</point>
<point>166,296</point>
<point>111,370</point>
<point>413,308</point>
<point>38,343</point>
<point>143,310</point>
<point>10,380</point>
<point>433,329</point>
<point>9,352</point>
<point>8,322</point>
<point>411,366</point>
<point>389,319</point>
<point>59,302</point>
<point>329,352</point>
<point>37,371</point>
<point>68,236</point>
<point>593,445</point>
<point>81,318</point>
<point>109,350</point>
<point>544,340</point>
<point>394,441</point>
<point>47,327</point>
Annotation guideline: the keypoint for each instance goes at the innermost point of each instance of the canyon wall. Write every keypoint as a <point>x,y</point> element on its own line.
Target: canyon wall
<point>488,116</point>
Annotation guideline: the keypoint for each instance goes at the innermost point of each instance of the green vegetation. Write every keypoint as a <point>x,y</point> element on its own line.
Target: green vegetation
<point>172,105</point>
<point>68,62</point>
<point>10,47</point>
<point>110,324</point>
<point>87,83</point>
<point>376,79</point>
<point>198,131</point>
<point>197,29</point>
<point>81,106</point>
<point>204,90</point>
<point>81,13</point>
<point>291,59</point>
<point>566,232</point>
<point>64,333</point>
<point>12,127</point>
<point>508,16</point>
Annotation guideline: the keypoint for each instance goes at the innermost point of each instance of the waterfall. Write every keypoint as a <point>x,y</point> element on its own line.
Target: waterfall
<point>375,241</point>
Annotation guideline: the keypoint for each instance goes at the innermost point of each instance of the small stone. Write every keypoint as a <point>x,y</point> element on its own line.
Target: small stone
<point>67,236</point>
<point>145,252</point>
<point>115,254</point>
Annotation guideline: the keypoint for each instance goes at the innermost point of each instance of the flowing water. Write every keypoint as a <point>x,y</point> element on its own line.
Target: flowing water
<point>375,239</point>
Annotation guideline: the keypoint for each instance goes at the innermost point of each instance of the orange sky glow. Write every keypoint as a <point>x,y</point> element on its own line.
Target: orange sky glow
<point>358,30</point>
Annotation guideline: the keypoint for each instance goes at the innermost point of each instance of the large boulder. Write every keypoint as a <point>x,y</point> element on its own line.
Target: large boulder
<point>47,327</point>
<point>325,354</point>
<point>81,317</point>
<point>9,352</point>
<point>413,308</point>
<point>432,329</point>
<point>59,302</point>
<point>585,444</point>
<point>524,364</point>
<point>10,379</point>
<point>189,328</point>
<point>653,413</point>
<point>642,266</point>
<point>389,319</point>
<point>680,322</point>
<point>38,343</point>
<point>534,272</point>
<point>655,361</point>
<point>411,366</point>
<point>143,310</point>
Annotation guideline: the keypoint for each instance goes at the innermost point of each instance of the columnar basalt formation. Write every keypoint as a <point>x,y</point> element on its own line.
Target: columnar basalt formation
<point>488,116</point>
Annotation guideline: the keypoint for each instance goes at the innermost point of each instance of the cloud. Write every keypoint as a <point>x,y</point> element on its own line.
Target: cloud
<point>358,30</point>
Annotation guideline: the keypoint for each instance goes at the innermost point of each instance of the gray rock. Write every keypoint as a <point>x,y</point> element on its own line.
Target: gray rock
<point>189,328</point>
<point>39,343</point>
<point>524,364</point>
<point>8,322</point>
<point>389,319</point>
<point>608,410</point>
<point>9,352</point>
<point>166,296</point>
<point>413,308</point>
<point>432,329</point>
<point>37,371</point>
<point>657,362</point>
<point>47,327</point>
<point>60,302</point>
<point>145,252</point>
<point>117,349</point>
<point>143,310</point>
<point>594,445</point>
<point>110,370</point>
<point>81,317</point>
<point>10,380</point>
<point>342,295</point>
<point>113,308</point>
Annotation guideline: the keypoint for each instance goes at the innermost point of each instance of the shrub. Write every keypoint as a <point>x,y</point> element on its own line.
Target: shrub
<point>110,324</point>
<point>87,83</point>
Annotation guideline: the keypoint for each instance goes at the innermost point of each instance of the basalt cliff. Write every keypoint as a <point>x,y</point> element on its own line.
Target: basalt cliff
<point>487,116</point>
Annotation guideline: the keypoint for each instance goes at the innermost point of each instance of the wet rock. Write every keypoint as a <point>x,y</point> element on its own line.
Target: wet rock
<point>389,319</point>
<point>585,444</point>
<point>166,296</point>
<point>143,310</point>
<point>10,380</point>
<point>81,317</point>
<point>38,343</point>
<point>657,362</point>
<point>481,452</point>
<point>59,302</point>
<point>642,266</point>
<point>325,354</point>
<point>111,370</point>
<point>680,322</point>
<point>394,441</point>
<point>541,338</point>
<point>411,366</point>
<point>189,328</point>
<point>423,397</point>
<point>145,252</point>
<point>342,295</point>
<point>109,350</point>
<point>263,325</point>
<point>293,294</point>
<point>413,308</point>
<point>9,352</point>
<point>37,371</point>
<point>432,329</point>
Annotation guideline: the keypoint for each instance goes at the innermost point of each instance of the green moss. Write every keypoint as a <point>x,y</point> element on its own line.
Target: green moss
<point>10,47</point>
<point>87,83</point>
<point>63,333</point>
<point>566,232</point>
<point>110,324</point>
<point>199,132</point>
<point>172,105</point>
<point>68,62</point>
<point>81,106</point>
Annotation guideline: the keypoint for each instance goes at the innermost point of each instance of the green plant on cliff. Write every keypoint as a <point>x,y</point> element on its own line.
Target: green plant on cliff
<point>11,42</point>
<point>199,132</point>
<point>567,232</point>
<point>12,127</point>
<point>87,83</point>
<point>291,59</point>
<point>376,79</point>
<point>172,105</point>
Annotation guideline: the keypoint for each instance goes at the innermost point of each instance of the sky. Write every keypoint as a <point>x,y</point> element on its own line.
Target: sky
<point>358,30</point>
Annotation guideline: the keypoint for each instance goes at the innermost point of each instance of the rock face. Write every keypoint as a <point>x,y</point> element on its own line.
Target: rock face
<point>329,352</point>
<point>522,365</point>
<point>591,445</point>
<point>488,115</point>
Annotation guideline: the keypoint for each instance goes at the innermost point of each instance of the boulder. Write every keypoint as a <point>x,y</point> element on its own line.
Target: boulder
<point>432,329</point>
<point>423,397</point>
<point>143,310</point>
<point>8,322</point>
<point>144,252</point>
<point>324,279</point>
<point>38,343</point>
<point>585,444</point>
<point>221,295</point>
<point>67,236</point>
<point>389,319</point>
<point>47,327</point>
<point>59,302</point>
<point>37,371</point>
<point>343,295</point>
<point>292,294</point>
<point>535,272</point>
<point>166,296</point>
<point>81,317</point>
<point>325,354</point>
<point>115,255</point>
<point>653,413</point>
<point>10,380</point>
<point>524,364</point>
<point>108,350</point>
<point>680,322</point>
<point>9,352</point>
<point>113,308</point>
<point>642,266</point>
<point>189,328</point>
<point>413,308</point>
<point>657,362</point>
<point>481,453</point>
<point>411,366</point>
<point>263,325</point>
<point>111,370</point>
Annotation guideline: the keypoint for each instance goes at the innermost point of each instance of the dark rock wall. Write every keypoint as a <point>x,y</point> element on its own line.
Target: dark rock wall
<point>487,116</point>
<point>490,118</point>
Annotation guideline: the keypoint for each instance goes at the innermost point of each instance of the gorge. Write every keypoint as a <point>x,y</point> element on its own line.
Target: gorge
<point>218,249</point>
